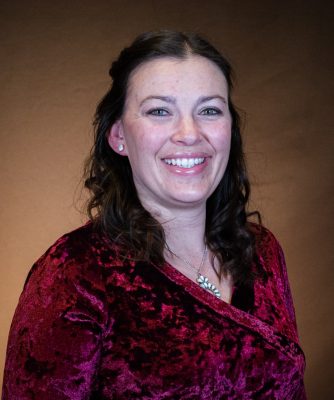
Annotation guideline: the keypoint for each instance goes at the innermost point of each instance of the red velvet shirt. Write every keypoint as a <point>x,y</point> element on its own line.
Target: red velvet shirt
<point>89,326</point>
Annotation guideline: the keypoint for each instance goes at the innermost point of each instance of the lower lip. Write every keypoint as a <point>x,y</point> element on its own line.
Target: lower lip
<point>195,170</point>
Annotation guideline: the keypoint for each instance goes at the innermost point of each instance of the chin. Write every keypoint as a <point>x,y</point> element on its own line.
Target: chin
<point>190,199</point>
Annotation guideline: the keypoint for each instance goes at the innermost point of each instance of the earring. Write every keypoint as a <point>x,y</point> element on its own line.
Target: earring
<point>120,147</point>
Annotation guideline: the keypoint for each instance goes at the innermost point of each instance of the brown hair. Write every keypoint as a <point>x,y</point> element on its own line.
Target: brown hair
<point>114,205</point>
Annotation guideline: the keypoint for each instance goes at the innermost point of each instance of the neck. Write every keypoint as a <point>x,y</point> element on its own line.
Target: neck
<point>184,229</point>
<point>186,248</point>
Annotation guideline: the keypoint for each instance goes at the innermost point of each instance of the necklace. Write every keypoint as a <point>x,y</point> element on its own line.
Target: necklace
<point>202,280</point>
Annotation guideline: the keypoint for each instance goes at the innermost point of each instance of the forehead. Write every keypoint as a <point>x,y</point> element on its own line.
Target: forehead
<point>195,74</point>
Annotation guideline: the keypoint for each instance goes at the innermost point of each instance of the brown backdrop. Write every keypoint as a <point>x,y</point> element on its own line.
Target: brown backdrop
<point>55,57</point>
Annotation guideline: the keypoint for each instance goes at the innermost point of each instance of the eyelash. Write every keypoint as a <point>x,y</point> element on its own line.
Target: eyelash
<point>157,112</point>
<point>211,111</point>
<point>162,112</point>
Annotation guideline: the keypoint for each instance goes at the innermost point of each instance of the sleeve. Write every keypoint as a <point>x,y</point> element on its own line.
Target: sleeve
<point>274,300</point>
<point>287,296</point>
<point>288,301</point>
<point>54,345</point>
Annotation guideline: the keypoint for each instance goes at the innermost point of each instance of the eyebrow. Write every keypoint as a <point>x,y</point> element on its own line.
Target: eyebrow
<point>167,99</point>
<point>172,100</point>
<point>203,99</point>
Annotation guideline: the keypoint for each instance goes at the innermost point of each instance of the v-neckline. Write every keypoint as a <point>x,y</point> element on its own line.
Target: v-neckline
<point>230,311</point>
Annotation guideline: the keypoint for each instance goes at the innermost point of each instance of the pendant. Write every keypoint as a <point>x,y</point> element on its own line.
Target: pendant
<point>204,283</point>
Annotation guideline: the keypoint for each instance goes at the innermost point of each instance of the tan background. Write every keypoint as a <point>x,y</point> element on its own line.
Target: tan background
<point>55,57</point>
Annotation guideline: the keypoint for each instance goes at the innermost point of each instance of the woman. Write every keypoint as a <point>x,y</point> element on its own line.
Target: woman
<point>169,292</point>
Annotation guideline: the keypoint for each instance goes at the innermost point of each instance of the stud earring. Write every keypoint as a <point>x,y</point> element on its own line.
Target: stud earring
<point>120,147</point>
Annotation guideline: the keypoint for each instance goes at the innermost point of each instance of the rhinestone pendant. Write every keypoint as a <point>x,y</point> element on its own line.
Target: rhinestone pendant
<point>204,283</point>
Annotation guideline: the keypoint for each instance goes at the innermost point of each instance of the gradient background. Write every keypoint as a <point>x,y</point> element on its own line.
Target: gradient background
<point>55,58</point>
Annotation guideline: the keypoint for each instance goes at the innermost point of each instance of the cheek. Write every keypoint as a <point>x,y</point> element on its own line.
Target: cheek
<point>143,142</point>
<point>145,137</point>
<point>222,138</point>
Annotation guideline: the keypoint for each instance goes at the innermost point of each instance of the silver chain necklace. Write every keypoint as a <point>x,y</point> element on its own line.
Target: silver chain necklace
<point>202,280</point>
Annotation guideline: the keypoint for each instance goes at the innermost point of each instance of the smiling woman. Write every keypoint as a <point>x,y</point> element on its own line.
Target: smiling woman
<point>177,125</point>
<point>168,292</point>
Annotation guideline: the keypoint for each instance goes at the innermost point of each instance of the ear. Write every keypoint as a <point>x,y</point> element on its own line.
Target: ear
<point>116,138</point>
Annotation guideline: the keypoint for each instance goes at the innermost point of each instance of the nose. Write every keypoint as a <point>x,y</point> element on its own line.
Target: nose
<point>187,132</point>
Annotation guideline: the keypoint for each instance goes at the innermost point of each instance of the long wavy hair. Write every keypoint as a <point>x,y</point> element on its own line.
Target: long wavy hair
<point>114,205</point>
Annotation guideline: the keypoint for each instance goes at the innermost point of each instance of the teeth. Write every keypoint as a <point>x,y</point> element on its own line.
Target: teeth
<point>184,162</point>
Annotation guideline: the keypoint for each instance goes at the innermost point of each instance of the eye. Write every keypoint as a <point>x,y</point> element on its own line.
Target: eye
<point>158,112</point>
<point>211,111</point>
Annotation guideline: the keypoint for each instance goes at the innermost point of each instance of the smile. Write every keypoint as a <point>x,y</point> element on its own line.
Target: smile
<point>184,162</point>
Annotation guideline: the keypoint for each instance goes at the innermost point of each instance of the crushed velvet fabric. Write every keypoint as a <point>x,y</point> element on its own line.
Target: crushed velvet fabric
<point>89,326</point>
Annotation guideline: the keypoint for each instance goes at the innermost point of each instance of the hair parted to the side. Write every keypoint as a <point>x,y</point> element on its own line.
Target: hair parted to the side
<point>114,205</point>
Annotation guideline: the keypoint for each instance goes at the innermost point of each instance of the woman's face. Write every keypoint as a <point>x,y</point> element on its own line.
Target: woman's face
<point>176,131</point>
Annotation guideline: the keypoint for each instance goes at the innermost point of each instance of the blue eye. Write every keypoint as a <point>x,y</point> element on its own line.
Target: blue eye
<point>158,112</point>
<point>211,111</point>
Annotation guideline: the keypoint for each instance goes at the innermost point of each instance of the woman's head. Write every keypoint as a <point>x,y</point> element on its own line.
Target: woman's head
<point>148,47</point>
<point>175,130</point>
<point>109,174</point>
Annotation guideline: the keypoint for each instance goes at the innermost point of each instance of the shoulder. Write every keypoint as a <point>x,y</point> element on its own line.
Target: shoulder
<point>267,247</point>
<point>62,313</point>
<point>264,238</point>
<point>70,277</point>
<point>80,242</point>
<point>269,254</point>
<point>274,292</point>
<point>79,253</point>
<point>83,243</point>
